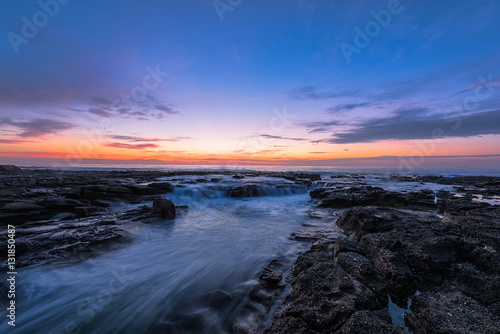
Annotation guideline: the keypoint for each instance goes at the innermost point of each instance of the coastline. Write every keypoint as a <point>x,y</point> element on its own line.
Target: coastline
<point>378,247</point>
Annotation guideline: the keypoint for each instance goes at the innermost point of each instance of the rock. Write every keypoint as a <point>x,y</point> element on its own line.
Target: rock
<point>363,322</point>
<point>450,312</point>
<point>248,190</point>
<point>9,168</point>
<point>61,204</point>
<point>165,186</point>
<point>310,176</point>
<point>323,296</point>
<point>21,206</point>
<point>12,192</point>
<point>373,196</point>
<point>320,192</point>
<point>215,179</point>
<point>237,176</point>
<point>306,182</point>
<point>337,199</point>
<point>164,208</point>
<point>453,262</point>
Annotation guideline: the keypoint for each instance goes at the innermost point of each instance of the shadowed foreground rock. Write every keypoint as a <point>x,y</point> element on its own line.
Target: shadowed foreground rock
<point>343,286</point>
<point>164,208</point>
<point>73,240</point>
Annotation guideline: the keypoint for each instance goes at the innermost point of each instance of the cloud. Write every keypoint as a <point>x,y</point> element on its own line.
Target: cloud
<point>141,109</point>
<point>100,100</point>
<point>141,139</point>
<point>166,110</point>
<point>100,112</point>
<point>37,127</point>
<point>396,128</point>
<point>13,141</point>
<point>280,137</point>
<point>346,107</point>
<point>131,146</point>
<point>312,93</point>
<point>315,127</point>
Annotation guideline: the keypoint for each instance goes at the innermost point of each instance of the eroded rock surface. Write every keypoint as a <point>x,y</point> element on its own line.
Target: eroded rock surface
<point>448,267</point>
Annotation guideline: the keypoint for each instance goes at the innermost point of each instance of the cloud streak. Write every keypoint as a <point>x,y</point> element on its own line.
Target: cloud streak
<point>283,138</point>
<point>142,139</point>
<point>131,146</point>
<point>313,93</point>
<point>395,128</point>
<point>37,127</point>
<point>346,107</point>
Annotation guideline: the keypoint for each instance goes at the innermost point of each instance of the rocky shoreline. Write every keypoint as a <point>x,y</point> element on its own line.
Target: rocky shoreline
<point>66,216</point>
<point>417,262</point>
<point>423,260</point>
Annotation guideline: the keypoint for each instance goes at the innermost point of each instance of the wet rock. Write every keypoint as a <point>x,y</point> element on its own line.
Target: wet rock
<point>237,176</point>
<point>306,182</point>
<point>453,262</point>
<point>215,179</point>
<point>262,297</point>
<point>248,190</point>
<point>61,204</point>
<point>320,192</point>
<point>323,296</point>
<point>21,206</point>
<point>373,196</point>
<point>164,186</point>
<point>164,208</point>
<point>273,273</point>
<point>9,168</point>
<point>310,176</point>
<point>363,322</point>
<point>450,312</point>
<point>337,199</point>
<point>12,192</point>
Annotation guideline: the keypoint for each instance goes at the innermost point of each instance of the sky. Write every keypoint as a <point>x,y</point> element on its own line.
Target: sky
<point>237,82</point>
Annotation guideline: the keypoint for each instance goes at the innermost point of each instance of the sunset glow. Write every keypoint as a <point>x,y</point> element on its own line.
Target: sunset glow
<point>261,84</point>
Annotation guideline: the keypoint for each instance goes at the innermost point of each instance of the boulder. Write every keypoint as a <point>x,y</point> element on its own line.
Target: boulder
<point>164,208</point>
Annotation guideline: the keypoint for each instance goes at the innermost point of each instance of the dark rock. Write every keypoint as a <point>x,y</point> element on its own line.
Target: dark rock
<point>165,186</point>
<point>363,322</point>
<point>248,190</point>
<point>450,312</point>
<point>164,208</point>
<point>322,298</point>
<point>237,176</point>
<point>319,192</point>
<point>310,176</point>
<point>306,182</point>
<point>337,199</point>
<point>21,206</point>
<point>454,263</point>
<point>9,168</point>
<point>373,196</point>
<point>61,204</point>
<point>215,180</point>
<point>273,273</point>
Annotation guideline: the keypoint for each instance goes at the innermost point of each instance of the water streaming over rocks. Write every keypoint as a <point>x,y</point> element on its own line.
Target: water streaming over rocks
<point>235,258</point>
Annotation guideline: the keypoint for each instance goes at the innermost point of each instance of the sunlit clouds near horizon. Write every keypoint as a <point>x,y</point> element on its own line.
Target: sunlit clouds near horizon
<point>306,82</point>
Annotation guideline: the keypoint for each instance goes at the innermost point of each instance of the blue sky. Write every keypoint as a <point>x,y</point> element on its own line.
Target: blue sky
<point>227,78</point>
